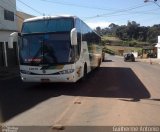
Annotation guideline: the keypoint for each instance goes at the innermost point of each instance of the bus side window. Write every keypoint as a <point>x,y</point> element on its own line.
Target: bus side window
<point>78,27</point>
<point>79,43</point>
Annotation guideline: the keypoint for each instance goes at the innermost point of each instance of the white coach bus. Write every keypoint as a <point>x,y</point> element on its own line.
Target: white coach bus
<point>56,49</point>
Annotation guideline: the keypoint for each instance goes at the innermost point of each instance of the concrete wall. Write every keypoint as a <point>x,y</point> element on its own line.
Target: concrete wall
<point>6,28</point>
<point>158,52</point>
<point>9,5</point>
<point>7,56</point>
<point>158,48</point>
<point>4,35</point>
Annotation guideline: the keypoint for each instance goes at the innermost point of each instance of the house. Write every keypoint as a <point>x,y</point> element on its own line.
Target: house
<point>10,21</point>
<point>158,48</point>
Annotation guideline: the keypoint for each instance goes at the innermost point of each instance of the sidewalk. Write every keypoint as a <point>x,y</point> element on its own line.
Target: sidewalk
<point>150,60</point>
<point>8,72</point>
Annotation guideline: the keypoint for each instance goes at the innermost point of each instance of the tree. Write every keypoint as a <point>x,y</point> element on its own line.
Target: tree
<point>152,34</point>
<point>98,30</point>
<point>142,33</point>
<point>113,28</point>
<point>121,32</point>
<point>132,30</point>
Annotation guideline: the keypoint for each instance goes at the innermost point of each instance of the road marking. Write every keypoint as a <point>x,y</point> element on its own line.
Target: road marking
<point>58,124</point>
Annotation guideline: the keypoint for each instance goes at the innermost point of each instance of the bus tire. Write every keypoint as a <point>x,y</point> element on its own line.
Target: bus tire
<point>99,62</point>
<point>103,57</point>
<point>84,72</point>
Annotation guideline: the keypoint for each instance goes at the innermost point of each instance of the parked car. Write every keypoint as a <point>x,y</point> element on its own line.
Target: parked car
<point>152,55</point>
<point>129,57</point>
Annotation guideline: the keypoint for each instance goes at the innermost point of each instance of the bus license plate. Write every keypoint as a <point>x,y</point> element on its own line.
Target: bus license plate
<point>45,80</point>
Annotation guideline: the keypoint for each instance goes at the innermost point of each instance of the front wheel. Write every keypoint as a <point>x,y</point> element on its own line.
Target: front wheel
<point>103,57</point>
<point>84,72</point>
<point>99,62</point>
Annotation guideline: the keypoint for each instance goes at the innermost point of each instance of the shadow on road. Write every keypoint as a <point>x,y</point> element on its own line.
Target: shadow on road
<point>108,61</point>
<point>107,82</point>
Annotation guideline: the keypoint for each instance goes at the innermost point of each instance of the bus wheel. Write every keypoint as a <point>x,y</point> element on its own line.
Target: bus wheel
<point>103,57</point>
<point>84,72</point>
<point>99,62</point>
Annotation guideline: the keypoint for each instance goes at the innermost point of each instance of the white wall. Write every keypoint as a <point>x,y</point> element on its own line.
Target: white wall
<point>4,35</point>
<point>135,54</point>
<point>158,48</point>
<point>7,26</point>
<point>158,52</point>
<point>9,5</point>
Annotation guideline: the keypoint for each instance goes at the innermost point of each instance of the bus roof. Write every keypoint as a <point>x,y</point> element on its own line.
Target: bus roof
<point>48,17</point>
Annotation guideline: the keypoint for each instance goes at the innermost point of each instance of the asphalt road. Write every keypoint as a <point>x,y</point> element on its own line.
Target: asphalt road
<point>118,93</point>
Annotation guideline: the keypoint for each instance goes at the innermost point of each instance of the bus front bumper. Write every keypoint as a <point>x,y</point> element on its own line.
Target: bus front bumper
<point>48,78</point>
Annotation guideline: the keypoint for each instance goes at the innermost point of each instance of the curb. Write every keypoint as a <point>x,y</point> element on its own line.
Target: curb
<point>151,61</point>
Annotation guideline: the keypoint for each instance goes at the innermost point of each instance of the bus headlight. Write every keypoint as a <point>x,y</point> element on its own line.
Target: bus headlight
<point>67,71</point>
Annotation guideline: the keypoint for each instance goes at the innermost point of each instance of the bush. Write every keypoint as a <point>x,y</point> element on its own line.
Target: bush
<point>104,42</point>
<point>106,50</point>
<point>132,44</point>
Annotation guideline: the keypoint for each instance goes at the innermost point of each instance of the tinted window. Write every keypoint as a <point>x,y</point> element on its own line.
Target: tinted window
<point>89,35</point>
<point>8,15</point>
<point>48,25</point>
<point>51,48</point>
<point>30,48</point>
<point>78,27</point>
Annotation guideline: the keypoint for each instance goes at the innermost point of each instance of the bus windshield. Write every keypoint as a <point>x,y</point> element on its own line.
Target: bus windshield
<point>46,42</point>
<point>37,49</point>
<point>48,25</point>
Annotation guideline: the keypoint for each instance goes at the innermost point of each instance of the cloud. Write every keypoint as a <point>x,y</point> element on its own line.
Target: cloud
<point>101,24</point>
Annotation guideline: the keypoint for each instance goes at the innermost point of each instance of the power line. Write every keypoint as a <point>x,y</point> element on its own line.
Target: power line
<point>75,5</point>
<point>135,12</point>
<point>95,8</point>
<point>146,12</point>
<point>102,15</point>
<point>115,12</point>
<point>30,7</point>
<point>11,3</point>
<point>155,2</point>
<point>148,19</point>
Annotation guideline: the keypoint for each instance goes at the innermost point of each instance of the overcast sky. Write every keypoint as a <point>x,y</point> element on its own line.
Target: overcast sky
<point>96,12</point>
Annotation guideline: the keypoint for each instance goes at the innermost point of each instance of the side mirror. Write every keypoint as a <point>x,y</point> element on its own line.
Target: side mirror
<point>13,37</point>
<point>73,36</point>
